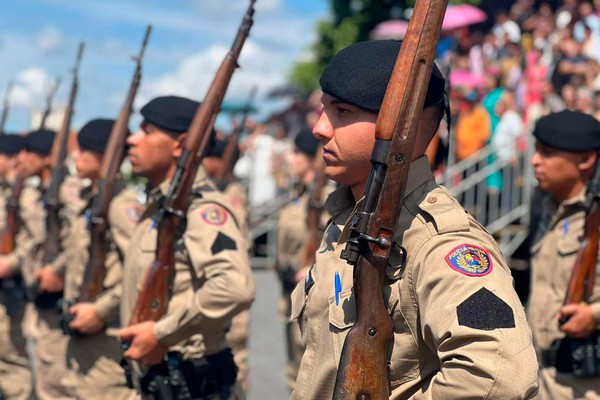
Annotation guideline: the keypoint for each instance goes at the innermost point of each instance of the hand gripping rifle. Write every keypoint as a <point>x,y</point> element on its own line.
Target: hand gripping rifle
<point>59,172</point>
<point>5,107</point>
<point>153,298</point>
<point>232,150</point>
<point>95,271</point>
<point>363,372</point>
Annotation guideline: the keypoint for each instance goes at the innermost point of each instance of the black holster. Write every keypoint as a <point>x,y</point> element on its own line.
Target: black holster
<point>580,357</point>
<point>64,318</point>
<point>42,300</point>
<point>178,379</point>
<point>14,294</point>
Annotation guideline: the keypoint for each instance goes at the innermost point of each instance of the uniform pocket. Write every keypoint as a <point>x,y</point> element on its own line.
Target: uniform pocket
<point>568,246</point>
<point>341,319</point>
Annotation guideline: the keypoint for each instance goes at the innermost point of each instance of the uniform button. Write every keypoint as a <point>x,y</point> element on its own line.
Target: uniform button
<point>432,199</point>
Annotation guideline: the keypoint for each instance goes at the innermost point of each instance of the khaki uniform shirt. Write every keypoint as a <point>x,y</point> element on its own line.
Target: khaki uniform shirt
<point>552,262</point>
<point>292,232</point>
<point>5,192</point>
<point>123,214</point>
<point>459,328</point>
<point>212,282</point>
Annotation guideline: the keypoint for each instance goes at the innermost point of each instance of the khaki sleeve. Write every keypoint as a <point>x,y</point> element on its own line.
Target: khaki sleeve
<point>31,232</point>
<point>472,318</point>
<point>124,213</point>
<point>217,251</point>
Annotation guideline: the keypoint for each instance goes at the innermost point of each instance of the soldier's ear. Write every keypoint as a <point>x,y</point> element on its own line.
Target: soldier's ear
<point>178,149</point>
<point>587,160</point>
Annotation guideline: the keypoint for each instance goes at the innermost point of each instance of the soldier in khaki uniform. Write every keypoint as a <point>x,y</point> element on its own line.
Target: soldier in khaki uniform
<point>15,375</point>
<point>238,334</point>
<point>93,357</point>
<point>459,328</point>
<point>41,319</point>
<point>566,149</point>
<point>212,282</point>
<point>292,234</point>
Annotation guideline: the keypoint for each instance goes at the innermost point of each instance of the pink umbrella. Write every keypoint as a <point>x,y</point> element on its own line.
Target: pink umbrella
<point>392,29</point>
<point>461,15</point>
<point>456,16</point>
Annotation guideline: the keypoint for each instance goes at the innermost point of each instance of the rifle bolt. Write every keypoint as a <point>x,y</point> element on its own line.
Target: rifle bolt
<point>372,331</point>
<point>400,158</point>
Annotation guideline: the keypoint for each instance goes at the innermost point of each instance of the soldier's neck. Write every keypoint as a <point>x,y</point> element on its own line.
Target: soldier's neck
<point>160,176</point>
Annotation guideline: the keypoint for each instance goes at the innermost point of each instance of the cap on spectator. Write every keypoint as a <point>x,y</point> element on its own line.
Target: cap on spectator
<point>359,75</point>
<point>171,113</point>
<point>11,144</point>
<point>307,143</point>
<point>40,141</point>
<point>95,134</point>
<point>569,130</point>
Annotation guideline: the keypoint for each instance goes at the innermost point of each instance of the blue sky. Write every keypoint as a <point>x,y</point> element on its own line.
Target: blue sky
<point>39,38</point>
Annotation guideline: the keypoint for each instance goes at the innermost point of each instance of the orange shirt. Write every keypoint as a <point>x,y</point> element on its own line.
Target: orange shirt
<point>472,132</point>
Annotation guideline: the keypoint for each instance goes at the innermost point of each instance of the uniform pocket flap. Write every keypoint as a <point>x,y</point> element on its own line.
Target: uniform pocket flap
<point>568,246</point>
<point>298,298</point>
<point>342,315</point>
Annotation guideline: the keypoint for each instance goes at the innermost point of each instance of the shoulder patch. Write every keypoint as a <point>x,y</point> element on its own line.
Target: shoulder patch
<point>214,215</point>
<point>485,311</point>
<point>221,243</point>
<point>470,260</point>
<point>133,213</point>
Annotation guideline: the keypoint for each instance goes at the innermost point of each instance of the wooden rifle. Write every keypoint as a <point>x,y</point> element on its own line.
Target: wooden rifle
<point>314,211</point>
<point>95,271</point>
<point>581,283</point>
<point>59,171</point>
<point>49,99</point>
<point>232,150</point>
<point>153,298</point>
<point>363,369</point>
<point>5,107</point>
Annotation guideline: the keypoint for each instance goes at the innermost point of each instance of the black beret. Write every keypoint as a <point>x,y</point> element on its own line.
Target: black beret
<point>359,75</point>
<point>11,144</point>
<point>217,148</point>
<point>569,130</point>
<point>307,143</point>
<point>171,113</point>
<point>40,141</point>
<point>95,134</point>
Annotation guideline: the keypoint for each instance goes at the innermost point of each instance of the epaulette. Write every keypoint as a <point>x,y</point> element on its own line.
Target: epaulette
<point>446,213</point>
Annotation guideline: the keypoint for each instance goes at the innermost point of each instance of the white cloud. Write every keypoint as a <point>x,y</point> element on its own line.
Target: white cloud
<point>49,39</point>
<point>30,87</point>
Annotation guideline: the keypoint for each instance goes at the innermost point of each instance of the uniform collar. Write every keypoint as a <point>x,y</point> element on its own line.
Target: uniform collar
<point>161,190</point>
<point>418,174</point>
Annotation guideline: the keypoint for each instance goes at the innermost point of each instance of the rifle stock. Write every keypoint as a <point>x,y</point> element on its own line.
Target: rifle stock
<point>8,234</point>
<point>59,171</point>
<point>153,299</point>
<point>95,271</point>
<point>363,369</point>
<point>5,106</point>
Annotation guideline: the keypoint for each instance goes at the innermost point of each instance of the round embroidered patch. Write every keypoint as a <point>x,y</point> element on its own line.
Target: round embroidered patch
<point>470,260</point>
<point>214,215</point>
<point>133,213</point>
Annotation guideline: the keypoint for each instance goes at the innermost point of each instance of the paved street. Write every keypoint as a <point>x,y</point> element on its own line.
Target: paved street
<point>267,349</point>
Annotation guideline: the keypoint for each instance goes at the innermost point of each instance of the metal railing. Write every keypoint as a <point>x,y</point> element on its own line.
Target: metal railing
<point>496,191</point>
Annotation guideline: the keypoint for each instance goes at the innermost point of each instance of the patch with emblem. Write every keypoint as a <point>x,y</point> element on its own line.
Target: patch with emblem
<point>470,260</point>
<point>133,213</point>
<point>214,215</point>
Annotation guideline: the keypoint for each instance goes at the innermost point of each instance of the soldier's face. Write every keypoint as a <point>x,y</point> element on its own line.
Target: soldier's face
<point>31,163</point>
<point>152,152</point>
<point>348,136</point>
<point>559,172</point>
<point>87,164</point>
